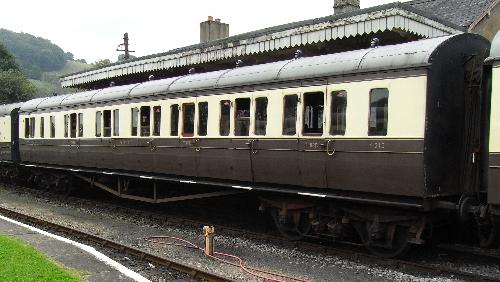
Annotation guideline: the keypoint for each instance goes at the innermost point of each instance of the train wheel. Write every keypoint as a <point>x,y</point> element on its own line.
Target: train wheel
<point>294,226</point>
<point>488,232</point>
<point>387,248</point>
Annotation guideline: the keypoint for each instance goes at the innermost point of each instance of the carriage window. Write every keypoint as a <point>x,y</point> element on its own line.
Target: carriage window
<point>106,118</point>
<point>145,117</point>
<point>260,116</point>
<point>52,126</point>
<point>338,113</point>
<point>225,114</point>
<point>66,125</point>
<point>156,120</point>
<point>98,123</point>
<point>290,115</point>
<point>26,128</point>
<point>80,125</point>
<point>72,119</point>
<point>42,127</point>
<point>242,117</point>
<point>313,113</point>
<point>202,118</point>
<point>174,120</point>
<point>135,120</point>
<point>377,124</point>
<point>188,112</point>
<point>116,122</point>
<point>32,127</point>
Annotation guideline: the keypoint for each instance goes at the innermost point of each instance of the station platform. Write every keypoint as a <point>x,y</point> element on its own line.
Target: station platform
<point>94,265</point>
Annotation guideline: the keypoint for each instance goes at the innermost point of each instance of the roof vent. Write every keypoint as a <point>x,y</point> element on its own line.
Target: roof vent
<point>375,42</point>
<point>239,63</point>
<point>345,6</point>
<point>192,71</point>
<point>297,54</point>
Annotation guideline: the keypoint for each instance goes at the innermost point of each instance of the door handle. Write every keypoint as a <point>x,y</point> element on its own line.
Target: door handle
<point>328,144</point>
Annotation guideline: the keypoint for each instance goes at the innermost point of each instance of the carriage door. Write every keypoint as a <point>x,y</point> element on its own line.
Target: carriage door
<point>336,113</point>
<point>14,120</point>
<point>312,146</point>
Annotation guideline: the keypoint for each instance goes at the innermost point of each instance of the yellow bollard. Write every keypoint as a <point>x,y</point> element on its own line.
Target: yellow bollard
<point>208,232</point>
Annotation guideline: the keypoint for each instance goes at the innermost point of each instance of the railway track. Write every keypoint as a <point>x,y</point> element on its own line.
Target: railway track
<point>349,251</point>
<point>192,272</point>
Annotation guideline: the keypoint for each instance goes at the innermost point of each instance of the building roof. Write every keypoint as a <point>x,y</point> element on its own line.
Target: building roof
<point>406,55</point>
<point>459,12</point>
<point>394,16</point>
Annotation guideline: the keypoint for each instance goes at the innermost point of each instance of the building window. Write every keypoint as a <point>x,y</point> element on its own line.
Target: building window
<point>52,126</point>
<point>260,116</point>
<point>72,118</point>
<point>145,119</point>
<point>290,115</point>
<point>42,127</point>
<point>313,113</point>
<point>225,115</point>
<point>135,121</point>
<point>156,120</point>
<point>242,117</point>
<point>80,125</point>
<point>116,122</point>
<point>174,120</point>
<point>338,113</point>
<point>98,123</point>
<point>106,118</point>
<point>26,128</point>
<point>379,112</point>
<point>188,113</point>
<point>202,118</point>
<point>66,125</point>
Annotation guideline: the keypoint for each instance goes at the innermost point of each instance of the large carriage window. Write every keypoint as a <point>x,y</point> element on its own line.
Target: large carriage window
<point>66,125</point>
<point>80,125</point>
<point>32,127</point>
<point>225,115</point>
<point>202,118</point>
<point>290,115</point>
<point>338,113</point>
<point>242,117</point>
<point>313,113</point>
<point>72,118</point>
<point>145,118</point>
<point>156,120</point>
<point>98,123</point>
<point>379,101</point>
<point>188,112</point>
<point>260,116</point>
<point>42,127</point>
<point>116,122</point>
<point>135,121</point>
<point>174,120</point>
<point>52,126</point>
<point>26,128</point>
<point>106,118</point>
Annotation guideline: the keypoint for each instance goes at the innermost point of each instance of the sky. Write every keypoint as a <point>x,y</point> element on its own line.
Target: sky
<point>92,29</point>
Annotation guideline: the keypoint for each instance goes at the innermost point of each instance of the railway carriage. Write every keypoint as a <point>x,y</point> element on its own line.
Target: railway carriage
<point>493,63</point>
<point>384,141</point>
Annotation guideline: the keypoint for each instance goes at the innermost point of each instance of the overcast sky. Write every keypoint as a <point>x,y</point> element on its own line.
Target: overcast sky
<point>92,29</point>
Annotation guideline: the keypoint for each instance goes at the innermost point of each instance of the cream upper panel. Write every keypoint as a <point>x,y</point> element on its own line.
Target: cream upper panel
<point>495,111</point>
<point>5,131</point>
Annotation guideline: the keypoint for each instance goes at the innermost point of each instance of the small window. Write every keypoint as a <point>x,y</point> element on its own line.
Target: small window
<point>313,113</point>
<point>145,117</point>
<point>242,117</point>
<point>116,122</point>
<point>26,128</point>
<point>188,112</point>
<point>156,120</point>
<point>66,125</point>
<point>338,113</point>
<point>379,101</point>
<point>98,124</point>
<point>73,126</point>
<point>42,127</point>
<point>80,125</point>
<point>32,127</point>
<point>260,116</point>
<point>202,118</point>
<point>225,115</point>
<point>106,118</point>
<point>135,121</point>
<point>52,126</point>
<point>290,115</point>
<point>174,120</point>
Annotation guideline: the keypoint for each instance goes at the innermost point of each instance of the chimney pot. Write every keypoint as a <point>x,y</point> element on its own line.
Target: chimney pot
<point>345,6</point>
<point>217,20</point>
<point>210,18</point>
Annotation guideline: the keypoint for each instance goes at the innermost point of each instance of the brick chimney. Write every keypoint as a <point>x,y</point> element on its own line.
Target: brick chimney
<point>213,29</point>
<point>345,6</point>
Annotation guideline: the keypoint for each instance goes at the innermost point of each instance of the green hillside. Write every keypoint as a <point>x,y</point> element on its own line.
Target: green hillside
<point>49,83</point>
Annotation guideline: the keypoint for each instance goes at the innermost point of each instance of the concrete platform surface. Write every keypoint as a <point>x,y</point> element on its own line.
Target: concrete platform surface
<point>85,259</point>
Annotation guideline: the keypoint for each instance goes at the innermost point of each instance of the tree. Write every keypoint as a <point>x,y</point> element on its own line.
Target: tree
<point>14,86</point>
<point>7,61</point>
<point>101,63</point>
